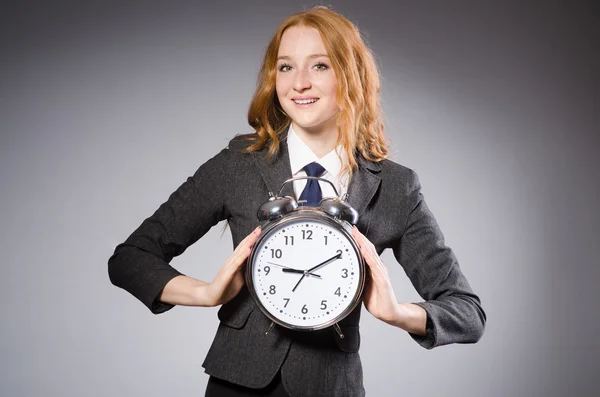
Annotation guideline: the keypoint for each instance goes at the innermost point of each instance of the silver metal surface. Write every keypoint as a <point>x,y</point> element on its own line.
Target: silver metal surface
<point>297,178</point>
<point>337,328</point>
<point>339,209</point>
<point>270,328</point>
<point>316,215</point>
<point>276,207</point>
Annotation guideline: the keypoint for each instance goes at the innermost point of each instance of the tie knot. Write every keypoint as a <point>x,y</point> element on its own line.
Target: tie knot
<point>314,169</point>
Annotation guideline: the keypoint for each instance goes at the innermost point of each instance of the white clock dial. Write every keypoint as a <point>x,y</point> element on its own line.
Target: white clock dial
<point>306,273</point>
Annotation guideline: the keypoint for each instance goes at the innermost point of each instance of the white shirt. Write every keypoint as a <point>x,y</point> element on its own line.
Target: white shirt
<point>301,155</point>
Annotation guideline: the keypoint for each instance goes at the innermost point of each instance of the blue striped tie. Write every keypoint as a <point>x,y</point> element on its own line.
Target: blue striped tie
<point>312,192</point>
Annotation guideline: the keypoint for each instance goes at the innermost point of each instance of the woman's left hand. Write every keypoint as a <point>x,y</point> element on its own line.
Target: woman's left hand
<point>379,297</point>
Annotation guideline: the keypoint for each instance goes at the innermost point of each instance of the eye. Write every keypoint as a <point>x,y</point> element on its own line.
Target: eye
<point>321,66</point>
<point>284,67</point>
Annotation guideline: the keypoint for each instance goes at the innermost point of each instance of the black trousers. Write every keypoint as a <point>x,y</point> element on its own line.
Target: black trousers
<point>221,388</point>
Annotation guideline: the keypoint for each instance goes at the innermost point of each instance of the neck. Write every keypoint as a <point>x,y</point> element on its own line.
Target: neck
<point>320,141</point>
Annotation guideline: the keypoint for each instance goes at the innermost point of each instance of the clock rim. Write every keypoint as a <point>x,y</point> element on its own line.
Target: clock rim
<point>314,214</point>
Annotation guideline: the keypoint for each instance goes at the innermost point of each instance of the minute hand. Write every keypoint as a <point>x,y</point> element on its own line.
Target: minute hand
<point>337,256</point>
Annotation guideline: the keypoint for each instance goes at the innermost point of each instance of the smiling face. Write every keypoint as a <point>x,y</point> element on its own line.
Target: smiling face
<point>306,84</point>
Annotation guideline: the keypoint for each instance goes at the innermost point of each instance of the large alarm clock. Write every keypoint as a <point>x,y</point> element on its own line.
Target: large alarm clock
<point>305,271</point>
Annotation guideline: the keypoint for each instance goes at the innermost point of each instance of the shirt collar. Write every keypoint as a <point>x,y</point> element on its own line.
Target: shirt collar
<point>300,155</point>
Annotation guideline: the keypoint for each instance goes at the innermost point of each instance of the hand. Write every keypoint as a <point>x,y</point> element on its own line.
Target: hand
<point>229,280</point>
<point>379,297</point>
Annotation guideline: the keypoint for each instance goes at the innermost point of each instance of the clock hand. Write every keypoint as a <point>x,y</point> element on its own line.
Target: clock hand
<point>337,256</point>
<point>285,267</point>
<point>288,269</point>
<point>298,283</point>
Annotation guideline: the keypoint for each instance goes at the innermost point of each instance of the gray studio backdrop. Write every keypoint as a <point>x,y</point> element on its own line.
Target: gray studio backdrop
<point>106,108</point>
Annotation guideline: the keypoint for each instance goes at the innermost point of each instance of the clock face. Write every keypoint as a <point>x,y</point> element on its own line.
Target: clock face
<point>306,273</point>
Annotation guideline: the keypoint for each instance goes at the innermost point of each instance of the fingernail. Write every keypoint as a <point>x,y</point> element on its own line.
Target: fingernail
<point>257,230</point>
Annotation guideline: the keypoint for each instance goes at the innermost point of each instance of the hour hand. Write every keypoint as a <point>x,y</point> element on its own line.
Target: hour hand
<point>290,270</point>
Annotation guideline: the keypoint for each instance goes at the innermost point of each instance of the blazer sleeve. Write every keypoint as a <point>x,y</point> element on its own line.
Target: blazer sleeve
<point>140,265</point>
<point>454,312</point>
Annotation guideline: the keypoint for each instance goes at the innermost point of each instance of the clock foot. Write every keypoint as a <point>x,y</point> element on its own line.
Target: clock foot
<point>271,327</point>
<point>338,330</point>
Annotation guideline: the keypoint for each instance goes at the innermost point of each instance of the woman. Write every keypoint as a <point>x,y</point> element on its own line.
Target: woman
<point>317,100</point>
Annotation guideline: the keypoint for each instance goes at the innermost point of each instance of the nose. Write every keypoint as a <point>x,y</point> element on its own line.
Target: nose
<point>301,80</point>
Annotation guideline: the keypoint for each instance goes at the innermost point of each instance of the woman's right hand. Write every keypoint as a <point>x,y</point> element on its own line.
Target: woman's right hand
<point>229,280</point>
<point>187,291</point>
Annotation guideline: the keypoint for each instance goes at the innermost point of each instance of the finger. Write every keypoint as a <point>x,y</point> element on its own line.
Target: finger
<point>378,269</point>
<point>249,240</point>
<point>243,249</point>
<point>370,252</point>
<point>361,239</point>
<point>358,236</point>
<point>366,247</point>
<point>235,261</point>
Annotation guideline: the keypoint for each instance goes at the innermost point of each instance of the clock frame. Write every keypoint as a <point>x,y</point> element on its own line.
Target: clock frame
<point>332,218</point>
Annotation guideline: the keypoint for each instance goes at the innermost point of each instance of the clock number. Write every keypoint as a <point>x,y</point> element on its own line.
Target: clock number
<point>339,252</point>
<point>344,273</point>
<point>289,240</point>
<point>272,290</point>
<point>323,305</point>
<point>267,270</point>
<point>304,309</point>
<point>306,234</point>
<point>325,240</point>
<point>287,300</point>
<point>338,292</point>
<point>276,253</point>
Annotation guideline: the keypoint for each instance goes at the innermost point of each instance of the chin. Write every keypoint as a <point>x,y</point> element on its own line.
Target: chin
<point>310,126</point>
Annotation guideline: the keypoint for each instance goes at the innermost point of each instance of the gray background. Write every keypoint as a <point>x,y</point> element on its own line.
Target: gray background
<point>106,108</point>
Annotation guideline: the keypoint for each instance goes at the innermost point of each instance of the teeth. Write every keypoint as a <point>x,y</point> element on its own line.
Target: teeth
<point>304,101</point>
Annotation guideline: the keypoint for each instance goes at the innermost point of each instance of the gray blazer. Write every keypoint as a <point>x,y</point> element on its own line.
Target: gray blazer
<point>232,185</point>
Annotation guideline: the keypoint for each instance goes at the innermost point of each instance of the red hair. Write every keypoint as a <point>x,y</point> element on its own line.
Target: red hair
<point>359,120</point>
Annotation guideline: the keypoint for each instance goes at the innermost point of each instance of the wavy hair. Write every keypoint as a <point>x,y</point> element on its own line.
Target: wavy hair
<point>359,120</point>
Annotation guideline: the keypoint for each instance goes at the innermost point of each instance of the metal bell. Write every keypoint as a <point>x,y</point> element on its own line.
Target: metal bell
<point>339,209</point>
<point>276,207</point>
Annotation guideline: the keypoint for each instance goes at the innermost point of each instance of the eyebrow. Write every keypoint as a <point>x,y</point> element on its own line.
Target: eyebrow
<point>310,56</point>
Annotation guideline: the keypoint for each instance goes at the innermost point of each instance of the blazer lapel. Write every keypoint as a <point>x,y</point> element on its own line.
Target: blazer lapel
<point>276,170</point>
<point>364,184</point>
